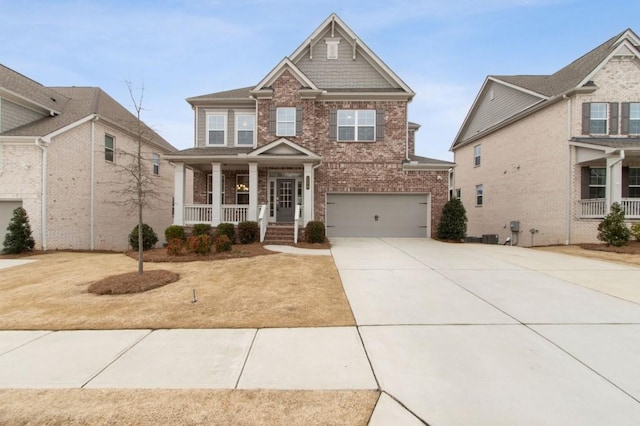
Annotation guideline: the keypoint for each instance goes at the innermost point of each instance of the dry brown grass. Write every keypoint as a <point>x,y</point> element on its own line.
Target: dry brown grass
<point>629,254</point>
<point>181,407</point>
<point>279,290</point>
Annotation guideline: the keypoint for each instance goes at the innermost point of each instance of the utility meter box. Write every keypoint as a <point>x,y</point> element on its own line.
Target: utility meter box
<point>515,226</point>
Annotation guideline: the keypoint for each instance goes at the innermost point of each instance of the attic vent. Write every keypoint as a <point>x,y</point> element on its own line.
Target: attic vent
<point>332,47</point>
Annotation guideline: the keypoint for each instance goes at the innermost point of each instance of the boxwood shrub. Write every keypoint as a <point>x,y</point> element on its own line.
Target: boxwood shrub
<point>314,232</point>
<point>226,229</point>
<point>248,232</point>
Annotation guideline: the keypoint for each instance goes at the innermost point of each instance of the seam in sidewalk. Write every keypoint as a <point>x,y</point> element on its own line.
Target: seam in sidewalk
<point>117,357</point>
<point>48,332</point>
<point>244,364</point>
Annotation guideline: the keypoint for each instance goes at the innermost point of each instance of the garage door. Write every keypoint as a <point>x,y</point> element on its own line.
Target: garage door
<point>377,215</point>
<point>6,213</point>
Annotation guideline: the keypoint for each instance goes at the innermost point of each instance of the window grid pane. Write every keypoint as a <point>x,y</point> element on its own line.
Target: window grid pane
<point>598,118</point>
<point>357,125</point>
<point>634,118</point>
<point>479,195</point>
<point>286,122</point>
<point>108,148</point>
<point>216,129</point>
<point>634,176</point>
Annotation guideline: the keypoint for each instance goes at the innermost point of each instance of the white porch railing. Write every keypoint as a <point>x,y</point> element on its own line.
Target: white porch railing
<point>262,222</point>
<point>597,208</point>
<point>296,221</point>
<point>201,213</point>
<point>197,213</point>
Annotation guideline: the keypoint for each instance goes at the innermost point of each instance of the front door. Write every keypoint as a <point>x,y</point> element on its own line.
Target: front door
<point>285,199</point>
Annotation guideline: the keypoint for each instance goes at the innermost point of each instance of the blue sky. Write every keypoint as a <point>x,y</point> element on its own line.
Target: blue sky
<point>443,49</point>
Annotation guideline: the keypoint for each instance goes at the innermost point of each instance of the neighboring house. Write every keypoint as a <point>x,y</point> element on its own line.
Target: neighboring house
<point>61,157</point>
<point>324,136</point>
<point>553,152</point>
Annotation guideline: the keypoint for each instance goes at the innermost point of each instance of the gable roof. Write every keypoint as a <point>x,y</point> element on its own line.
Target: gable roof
<point>75,103</point>
<point>550,88</point>
<point>386,81</point>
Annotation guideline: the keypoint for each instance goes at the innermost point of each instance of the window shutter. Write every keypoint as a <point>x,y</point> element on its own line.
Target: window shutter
<point>625,182</point>
<point>333,125</point>
<point>272,120</point>
<point>379,125</point>
<point>625,118</point>
<point>586,118</point>
<point>299,121</point>
<point>613,118</point>
<point>584,183</point>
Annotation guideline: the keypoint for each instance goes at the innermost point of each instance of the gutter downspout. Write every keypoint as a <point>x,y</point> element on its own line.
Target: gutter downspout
<point>406,136</point>
<point>92,185</point>
<point>570,169</point>
<point>43,145</point>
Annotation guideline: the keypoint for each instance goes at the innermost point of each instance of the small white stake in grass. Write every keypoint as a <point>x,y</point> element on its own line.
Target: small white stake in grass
<point>194,296</point>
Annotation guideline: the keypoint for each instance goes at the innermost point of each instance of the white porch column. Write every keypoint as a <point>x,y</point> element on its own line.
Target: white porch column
<point>178,194</point>
<point>252,214</point>
<point>307,192</point>
<point>614,181</point>
<point>216,182</point>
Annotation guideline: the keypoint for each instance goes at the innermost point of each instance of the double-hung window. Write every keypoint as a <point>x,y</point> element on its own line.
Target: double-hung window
<point>634,118</point>
<point>479,195</point>
<point>216,129</point>
<point>156,164</point>
<point>357,125</point>
<point>245,129</point>
<point>598,118</point>
<point>109,147</point>
<point>285,121</point>
<point>634,182</point>
<point>476,155</point>
<point>597,182</point>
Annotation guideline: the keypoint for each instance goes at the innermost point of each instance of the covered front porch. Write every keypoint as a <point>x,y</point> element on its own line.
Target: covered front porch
<point>272,184</point>
<point>609,172</point>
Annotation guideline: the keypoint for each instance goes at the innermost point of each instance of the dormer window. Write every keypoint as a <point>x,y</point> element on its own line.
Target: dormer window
<point>332,47</point>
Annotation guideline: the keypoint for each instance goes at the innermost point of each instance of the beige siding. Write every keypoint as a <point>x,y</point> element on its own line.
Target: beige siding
<point>13,115</point>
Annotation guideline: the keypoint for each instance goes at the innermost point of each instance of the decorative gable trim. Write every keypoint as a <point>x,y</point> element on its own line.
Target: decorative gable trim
<point>625,48</point>
<point>284,65</point>
<point>283,147</point>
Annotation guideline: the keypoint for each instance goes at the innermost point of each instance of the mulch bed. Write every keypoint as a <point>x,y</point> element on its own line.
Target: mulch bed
<point>131,282</point>
<point>633,247</point>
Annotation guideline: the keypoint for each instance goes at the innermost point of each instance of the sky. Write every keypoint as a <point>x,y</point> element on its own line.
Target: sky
<point>175,49</point>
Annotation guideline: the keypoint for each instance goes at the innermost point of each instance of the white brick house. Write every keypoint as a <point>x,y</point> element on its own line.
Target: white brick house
<point>61,152</point>
<point>324,136</point>
<point>553,152</point>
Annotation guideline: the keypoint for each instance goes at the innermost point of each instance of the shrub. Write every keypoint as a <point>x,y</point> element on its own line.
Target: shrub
<point>18,237</point>
<point>226,229</point>
<point>199,244</point>
<point>174,232</point>
<point>174,246</point>
<point>201,229</point>
<point>612,230</point>
<point>635,230</point>
<point>314,232</point>
<point>223,243</point>
<point>149,238</point>
<point>248,232</point>
<point>453,223</point>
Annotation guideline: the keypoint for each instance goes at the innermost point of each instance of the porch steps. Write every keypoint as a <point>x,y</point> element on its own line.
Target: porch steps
<point>280,233</point>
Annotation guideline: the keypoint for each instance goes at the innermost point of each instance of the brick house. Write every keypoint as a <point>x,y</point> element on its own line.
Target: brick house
<point>61,152</point>
<point>324,136</point>
<point>553,152</point>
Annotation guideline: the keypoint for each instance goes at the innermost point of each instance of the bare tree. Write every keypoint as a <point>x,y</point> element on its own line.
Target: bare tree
<point>138,187</point>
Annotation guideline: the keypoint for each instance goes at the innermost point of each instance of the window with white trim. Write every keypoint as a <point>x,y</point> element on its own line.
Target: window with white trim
<point>210,189</point>
<point>634,118</point>
<point>634,182</point>
<point>216,129</point>
<point>109,148</point>
<point>477,151</point>
<point>357,125</point>
<point>597,182</point>
<point>479,195</point>
<point>245,128</point>
<point>156,164</point>
<point>598,118</point>
<point>285,121</point>
<point>242,189</point>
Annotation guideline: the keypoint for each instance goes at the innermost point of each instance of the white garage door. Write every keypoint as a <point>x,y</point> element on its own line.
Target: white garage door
<point>377,215</point>
<point>6,213</point>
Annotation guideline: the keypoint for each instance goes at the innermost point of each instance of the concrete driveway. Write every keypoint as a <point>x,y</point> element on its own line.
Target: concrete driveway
<point>486,334</point>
